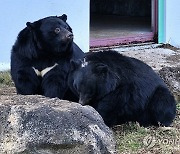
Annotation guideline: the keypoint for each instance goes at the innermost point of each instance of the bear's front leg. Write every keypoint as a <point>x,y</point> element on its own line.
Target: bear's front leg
<point>108,112</point>
<point>54,83</point>
<point>27,82</point>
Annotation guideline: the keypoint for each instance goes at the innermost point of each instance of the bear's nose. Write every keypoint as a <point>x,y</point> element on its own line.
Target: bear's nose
<point>69,36</point>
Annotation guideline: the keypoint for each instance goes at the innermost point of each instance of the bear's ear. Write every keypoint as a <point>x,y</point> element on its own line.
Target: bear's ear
<point>63,17</point>
<point>74,64</point>
<point>101,68</point>
<point>30,25</point>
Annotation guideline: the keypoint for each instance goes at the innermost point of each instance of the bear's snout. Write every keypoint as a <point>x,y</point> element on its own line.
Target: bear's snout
<point>66,36</point>
<point>84,100</point>
<point>69,35</point>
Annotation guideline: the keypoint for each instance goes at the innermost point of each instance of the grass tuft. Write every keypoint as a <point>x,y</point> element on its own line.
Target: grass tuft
<point>133,139</point>
<point>5,79</point>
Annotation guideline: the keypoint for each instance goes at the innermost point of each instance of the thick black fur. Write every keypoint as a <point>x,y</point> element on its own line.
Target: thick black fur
<point>40,45</point>
<point>122,89</point>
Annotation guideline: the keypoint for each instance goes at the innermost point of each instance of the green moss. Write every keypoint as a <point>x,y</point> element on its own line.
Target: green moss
<point>178,105</point>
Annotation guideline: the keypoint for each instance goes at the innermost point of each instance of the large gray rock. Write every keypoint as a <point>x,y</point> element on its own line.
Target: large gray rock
<point>39,125</point>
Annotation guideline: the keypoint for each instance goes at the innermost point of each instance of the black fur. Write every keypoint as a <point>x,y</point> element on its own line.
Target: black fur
<point>122,89</point>
<point>43,44</point>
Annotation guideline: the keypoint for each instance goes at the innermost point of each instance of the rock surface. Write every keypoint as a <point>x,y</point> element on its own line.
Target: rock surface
<point>39,125</point>
<point>171,76</point>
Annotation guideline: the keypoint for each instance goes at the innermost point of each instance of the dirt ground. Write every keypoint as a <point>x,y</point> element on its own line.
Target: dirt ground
<point>131,138</point>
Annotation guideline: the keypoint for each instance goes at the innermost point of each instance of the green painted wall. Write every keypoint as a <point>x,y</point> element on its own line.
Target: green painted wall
<point>161,21</point>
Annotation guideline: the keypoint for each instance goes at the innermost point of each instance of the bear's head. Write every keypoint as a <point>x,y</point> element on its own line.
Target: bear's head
<point>48,36</point>
<point>91,81</point>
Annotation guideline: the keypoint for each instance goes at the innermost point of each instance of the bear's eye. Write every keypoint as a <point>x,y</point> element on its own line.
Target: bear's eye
<point>57,30</point>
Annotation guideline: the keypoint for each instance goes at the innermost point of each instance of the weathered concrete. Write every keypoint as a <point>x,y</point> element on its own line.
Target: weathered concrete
<point>154,56</point>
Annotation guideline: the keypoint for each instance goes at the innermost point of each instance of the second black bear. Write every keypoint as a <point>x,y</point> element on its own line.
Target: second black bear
<point>122,89</point>
<point>40,58</point>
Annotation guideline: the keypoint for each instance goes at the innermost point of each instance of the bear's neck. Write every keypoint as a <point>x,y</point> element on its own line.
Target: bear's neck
<point>111,97</point>
<point>64,54</point>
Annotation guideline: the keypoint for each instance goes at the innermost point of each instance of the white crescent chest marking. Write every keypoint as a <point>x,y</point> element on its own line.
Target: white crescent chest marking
<point>44,71</point>
<point>38,73</point>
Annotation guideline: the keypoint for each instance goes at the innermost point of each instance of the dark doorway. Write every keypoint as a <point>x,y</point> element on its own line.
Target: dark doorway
<point>114,22</point>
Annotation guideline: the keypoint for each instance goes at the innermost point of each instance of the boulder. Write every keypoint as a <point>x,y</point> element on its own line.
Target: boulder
<point>39,125</point>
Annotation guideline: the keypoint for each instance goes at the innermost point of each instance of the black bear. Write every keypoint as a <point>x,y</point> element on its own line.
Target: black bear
<point>122,89</point>
<point>40,58</point>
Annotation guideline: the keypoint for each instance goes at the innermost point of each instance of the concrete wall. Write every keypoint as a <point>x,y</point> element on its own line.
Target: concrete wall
<point>172,22</point>
<point>122,7</point>
<point>15,13</point>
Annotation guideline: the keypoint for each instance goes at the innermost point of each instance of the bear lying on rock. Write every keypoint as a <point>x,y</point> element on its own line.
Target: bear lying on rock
<point>122,89</point>
<point>40,58</point>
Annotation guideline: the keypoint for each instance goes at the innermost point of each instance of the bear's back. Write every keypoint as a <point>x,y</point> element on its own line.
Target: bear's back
<point>129,69</point>
<point>116,61</point>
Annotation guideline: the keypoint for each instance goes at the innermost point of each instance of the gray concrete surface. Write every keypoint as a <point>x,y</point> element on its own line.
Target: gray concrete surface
<point>106,26</point>
<point>153,54</point>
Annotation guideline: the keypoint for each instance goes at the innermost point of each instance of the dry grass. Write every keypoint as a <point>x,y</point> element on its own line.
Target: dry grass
<point>5,79</point>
